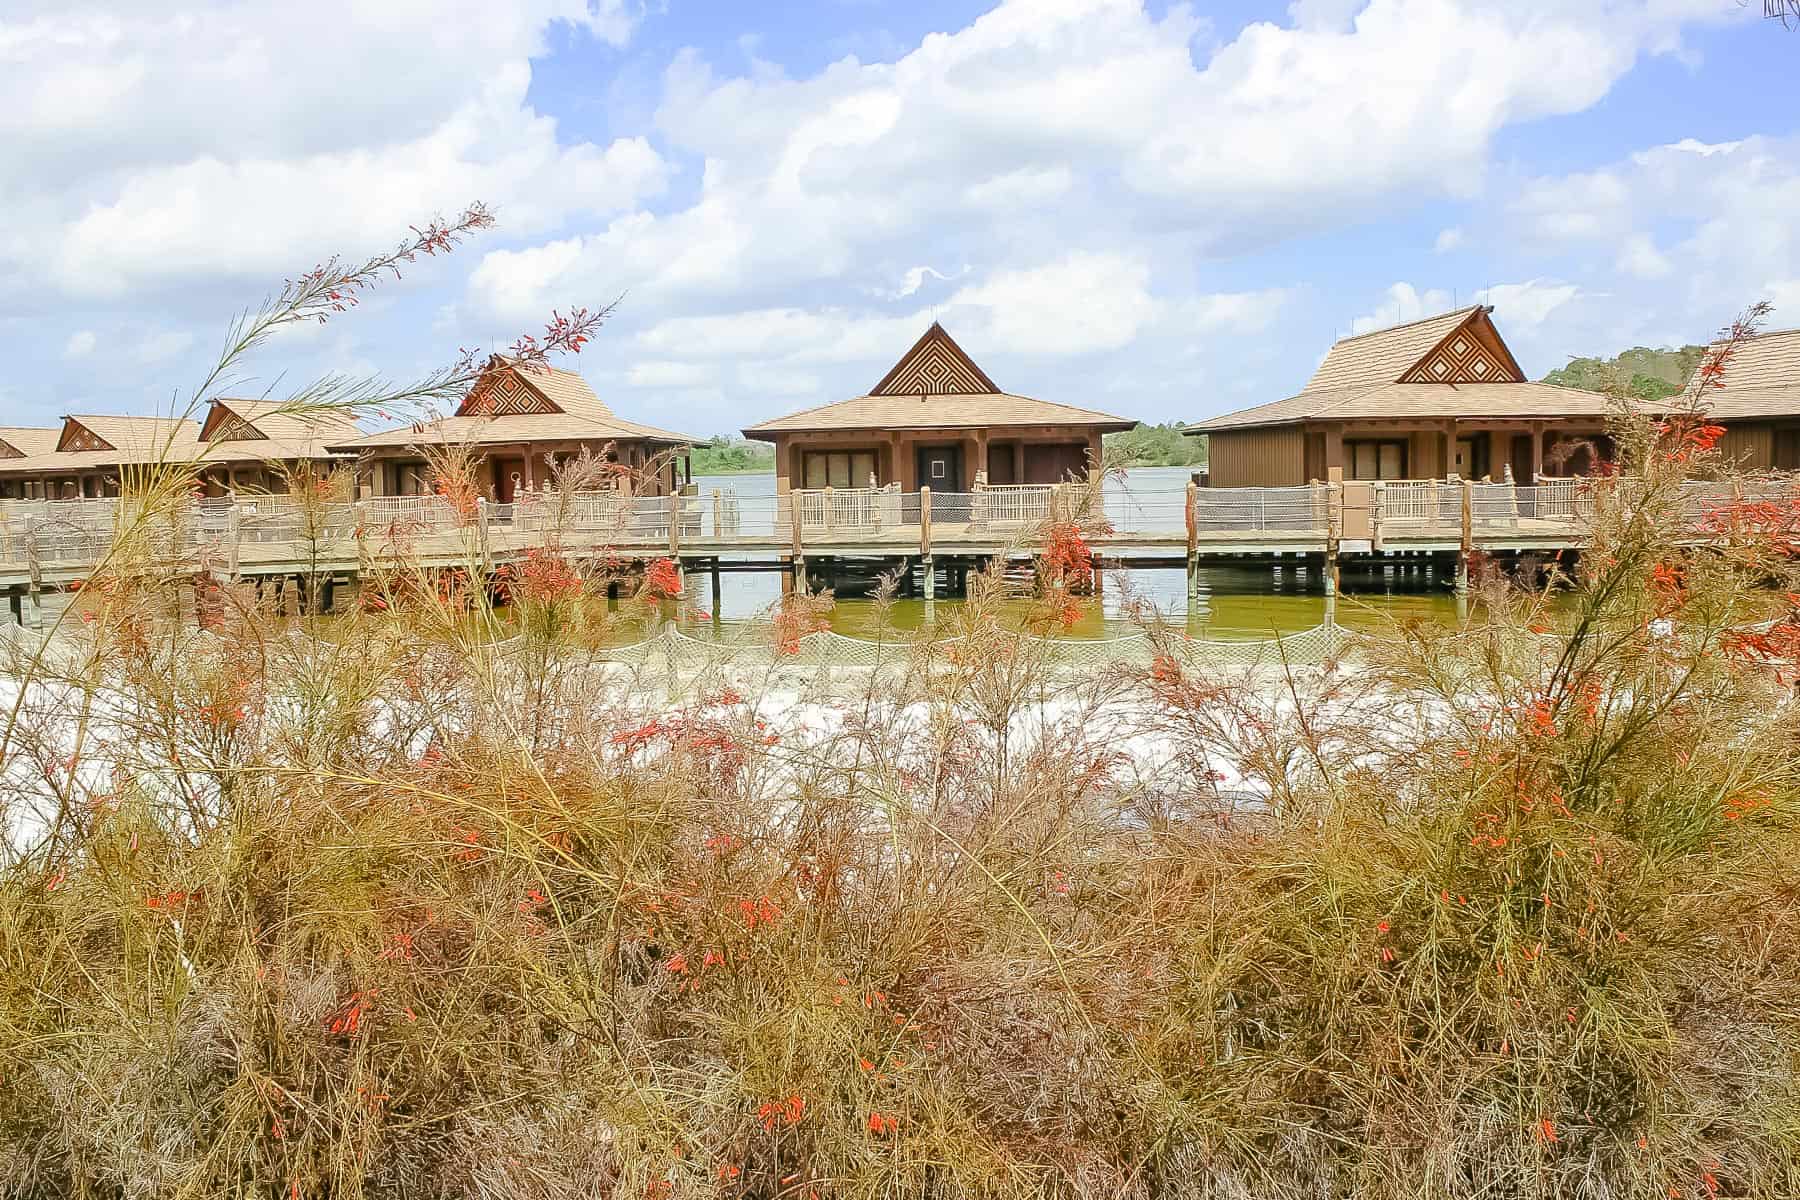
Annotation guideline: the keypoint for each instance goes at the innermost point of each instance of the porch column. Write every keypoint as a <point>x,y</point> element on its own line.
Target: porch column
<point>1537,452</point>
<point>1018,455</point>
<point>980,465</point>
<point>1446,451</point>
<point>1334,448</point>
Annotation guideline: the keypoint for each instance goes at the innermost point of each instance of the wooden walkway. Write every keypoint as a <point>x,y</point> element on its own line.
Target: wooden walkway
<point>49,545</point>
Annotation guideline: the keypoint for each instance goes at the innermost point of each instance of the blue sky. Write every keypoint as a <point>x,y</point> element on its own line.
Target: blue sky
<point>1161,210</point>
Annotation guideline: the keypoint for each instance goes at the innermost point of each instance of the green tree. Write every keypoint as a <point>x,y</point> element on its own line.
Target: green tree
<point>1643,373</point>
<point>1158,446</point>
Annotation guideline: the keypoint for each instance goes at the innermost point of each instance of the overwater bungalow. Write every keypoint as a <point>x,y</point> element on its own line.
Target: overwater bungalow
<point>935,420</point>
<point>87,454</point>
<point>1759,404</point>
<point>516,420</point>
<point>1428,399</point>
<point>255,445</point>
<point>247,445</point>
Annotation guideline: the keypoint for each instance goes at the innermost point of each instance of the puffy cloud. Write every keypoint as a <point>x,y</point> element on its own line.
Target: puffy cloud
<point>1089,124</point>
<point>209,140</point>
<point>1710,224</point>
<point>662,373</point>
<point>1079,304</point>
<point>1449,239</point>
<point>80,344</point>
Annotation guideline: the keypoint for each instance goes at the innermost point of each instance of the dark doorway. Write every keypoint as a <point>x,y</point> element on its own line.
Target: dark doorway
<point>507,473</point>
<point>940,468</point>
<point>1055,463</point>
<point>1000,463</point>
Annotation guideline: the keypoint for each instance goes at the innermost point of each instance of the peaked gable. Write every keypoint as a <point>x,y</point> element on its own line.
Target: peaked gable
<point>76,436</point>
<point>505,391</point>
<point>935,366</point>
<point>224,425</point>
<point>1473,352</point>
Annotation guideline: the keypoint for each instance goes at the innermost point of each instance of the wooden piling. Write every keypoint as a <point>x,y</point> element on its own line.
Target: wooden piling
<point>1468,537</point>
<point>1193,541</point>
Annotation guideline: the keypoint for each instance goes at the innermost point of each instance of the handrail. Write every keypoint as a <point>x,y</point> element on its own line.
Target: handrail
<point>69,533</point>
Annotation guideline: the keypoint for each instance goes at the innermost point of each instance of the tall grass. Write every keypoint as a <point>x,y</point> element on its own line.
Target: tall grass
<point>371,907</point>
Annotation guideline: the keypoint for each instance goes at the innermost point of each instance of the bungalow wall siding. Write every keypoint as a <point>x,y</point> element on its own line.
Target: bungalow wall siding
<point>896,451</point>
<point>1266,457</point>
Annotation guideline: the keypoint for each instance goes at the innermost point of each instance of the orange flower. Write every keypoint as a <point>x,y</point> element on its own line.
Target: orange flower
<point>881,1123</point>
<point>1547,1130</point>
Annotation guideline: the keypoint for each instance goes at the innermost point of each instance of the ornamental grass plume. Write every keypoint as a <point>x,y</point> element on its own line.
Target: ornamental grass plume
<point>426,899</point>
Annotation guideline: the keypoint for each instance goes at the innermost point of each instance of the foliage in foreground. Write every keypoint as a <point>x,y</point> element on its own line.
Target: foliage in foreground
<point>418,903</point>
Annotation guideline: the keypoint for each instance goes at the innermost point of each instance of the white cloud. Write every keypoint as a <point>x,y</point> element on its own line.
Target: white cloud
<point>1088,124</point>
<point>915,278</point>
<point>1449,239</point>
<point>163,345</point>
<point>1082,303</point>
<point>1403,303</point>
<point>658,373</point>
<point>1525,306</point>
<point>1639,258</point>
<point>80,344</point>
<point>150,145</point>
<point>1518,307</point>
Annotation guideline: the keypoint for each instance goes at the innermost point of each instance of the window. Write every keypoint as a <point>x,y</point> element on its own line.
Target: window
<point>1376,460</point>
<point>1786,455</point>
<point>837,469</point>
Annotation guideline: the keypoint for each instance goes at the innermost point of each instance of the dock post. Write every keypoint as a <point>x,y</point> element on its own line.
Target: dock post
<point>16,602</point>
<point>1468,537</point>
<point>925,564</point>
<point>1193,542</point>
<point>1377,498</point>
<point>34,608</point>
<point>797,582</point>
<point>716,589</point>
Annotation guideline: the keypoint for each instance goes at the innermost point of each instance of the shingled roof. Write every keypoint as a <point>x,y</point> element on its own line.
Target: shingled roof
<point>1762,378</point>
<point>19,441</point>
<point>935,385</point>
<point>516,402</point>
<point>1454,365</point>
<point>239,430</point>
<point>96,441</point>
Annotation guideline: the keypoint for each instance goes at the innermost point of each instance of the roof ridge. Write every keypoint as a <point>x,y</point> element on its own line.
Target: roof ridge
<point>1409,324</point>
<point>1756,336</point>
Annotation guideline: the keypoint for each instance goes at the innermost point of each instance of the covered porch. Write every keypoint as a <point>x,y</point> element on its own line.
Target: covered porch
<point>944,460</point>
<point>1497,449</point>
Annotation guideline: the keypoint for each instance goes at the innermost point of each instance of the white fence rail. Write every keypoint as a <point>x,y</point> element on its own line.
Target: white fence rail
<point>41,534</point>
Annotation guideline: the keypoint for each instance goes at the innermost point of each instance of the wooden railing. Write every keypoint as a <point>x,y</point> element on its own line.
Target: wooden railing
<point>38,536</point>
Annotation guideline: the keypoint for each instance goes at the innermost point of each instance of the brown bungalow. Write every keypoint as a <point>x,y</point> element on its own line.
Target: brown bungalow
<point>252,445</point>
<point>1432,398</point>
<point>936,420</point>
<point>242,444</point>
<point>1759,404</point>
<point>515,419</point>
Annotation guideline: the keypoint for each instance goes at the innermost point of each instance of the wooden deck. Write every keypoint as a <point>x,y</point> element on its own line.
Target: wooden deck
<point>53,544</point>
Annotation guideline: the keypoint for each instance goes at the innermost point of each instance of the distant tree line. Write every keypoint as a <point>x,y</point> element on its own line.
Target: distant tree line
<point>1640,372</point>
<point>722,455</point>
<point>1158,446</point>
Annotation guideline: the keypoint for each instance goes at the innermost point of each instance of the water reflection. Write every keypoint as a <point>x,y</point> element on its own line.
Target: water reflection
<point>1233,601</point>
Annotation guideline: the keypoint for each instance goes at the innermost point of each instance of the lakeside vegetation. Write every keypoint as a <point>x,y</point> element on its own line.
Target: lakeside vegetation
<point>1156,446</point>
<point>726,455</point>
<point>1640,372</point>
<point>428,901</point>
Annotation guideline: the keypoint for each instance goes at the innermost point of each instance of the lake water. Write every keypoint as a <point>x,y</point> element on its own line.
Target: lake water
<point>1234,601</point>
